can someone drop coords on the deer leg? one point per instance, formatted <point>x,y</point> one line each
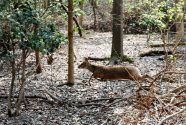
<point>147,76</point>
<point>145,79</point>
<point>90,79</point>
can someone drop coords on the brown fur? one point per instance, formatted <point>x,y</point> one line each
<point>114,73</point>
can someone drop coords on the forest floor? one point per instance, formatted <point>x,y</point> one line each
<point>111,103</point>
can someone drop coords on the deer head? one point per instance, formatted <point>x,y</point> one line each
<point>85,64</point>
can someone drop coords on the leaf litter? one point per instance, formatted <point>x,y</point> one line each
<point>111,102</point>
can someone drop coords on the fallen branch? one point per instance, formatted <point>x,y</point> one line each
<point>34,96</point>
<point>61,84</point>
<point>53,97</point>
<point>170,116</point>
<point>125,99</point>
<point>57,99</point>
<point>95,100</point>
<point>103,99</point>
<point>178,89</point>
<point>98,59</point>
<point>83,102</point>
<point>182,103</point>
<point>91,104</point>
<point>175,72</point>
<point>169,44</point>
<point>154,53</point>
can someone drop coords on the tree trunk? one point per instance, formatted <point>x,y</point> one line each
<point>38,65</point>
<point>21,93</point>
<point>179,23</point>
<point>94,11</point>
<point>81,17</point>
<point>70,46</point>
<point>45,4</point>
<point>48,3</point>
<point>184,23</point>
<point>117,40</point>
<point>74,18</point>
<point>12,61</point>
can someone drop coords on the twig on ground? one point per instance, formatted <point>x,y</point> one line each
<point>28,96</point>
<point>169,44</point>
<point>98,59</point>
<point>91,104</point>
<point>182,103</point>
<point>170,116</point>
<point>103,99</point>
<point>122,114</point>
<point>178,89</point>
<point>171,72</point>
<point>125,99</point>
<point>53,97</point>
<point>94,100</point>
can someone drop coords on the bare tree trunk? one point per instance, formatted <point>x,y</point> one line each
<point>94,6</point>
<point>117,40</point>
<point>70,46</point>
<point>95,20</point>
<point>48,3</point>
<point>12,61</point>
<point>74,18</point>
<point>45,4</point>
<point>184,23</point>
<point>81,17</point>
<point>38,64</point>
<point>21,93</point>
<point>179,23</point>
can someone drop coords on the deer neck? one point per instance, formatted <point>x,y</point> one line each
<point>92,68</point>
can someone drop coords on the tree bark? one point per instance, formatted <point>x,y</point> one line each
<point>179,22</point>
<point>48,3</point>
<point>38,64</point>
<point>21,93</point>
<point>117,40</point>
<point>94,6</point>
<point>12,61</point>
<point>38,69</point>
<point>45,4</point>
<point>81,17</point>
<point>74,18</point>
<point>70,46</point>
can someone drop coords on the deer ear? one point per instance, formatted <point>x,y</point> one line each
<point>86,59</point>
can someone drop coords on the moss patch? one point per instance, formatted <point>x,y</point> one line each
<point>127,59</point>
<point>154,53</point>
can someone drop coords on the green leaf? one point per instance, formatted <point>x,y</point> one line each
<point>75,29</point>
<point>66,41</point>
<point>44,51</point>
